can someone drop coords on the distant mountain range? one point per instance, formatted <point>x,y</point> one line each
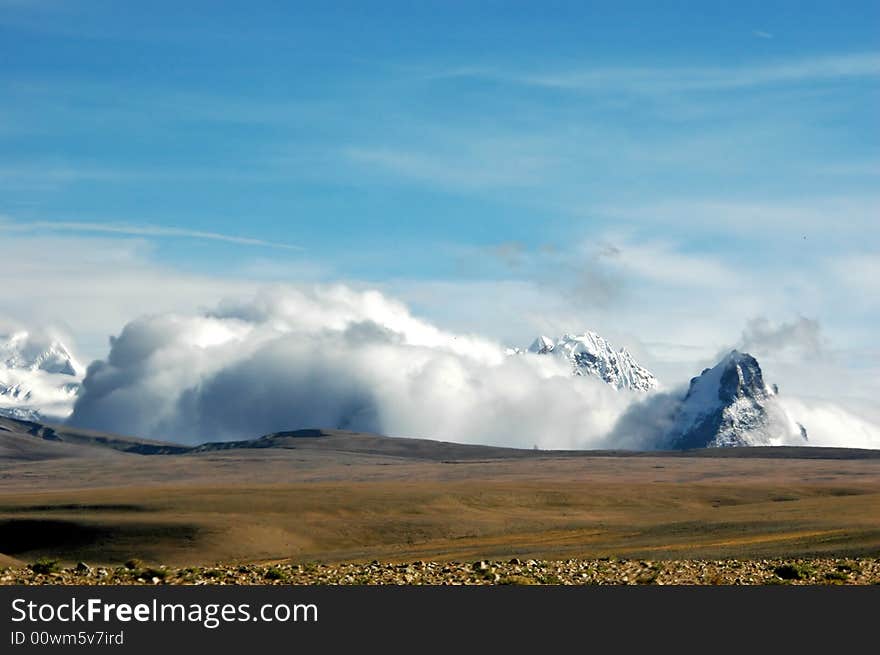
<point>726,405</point>
<point>31,441</point>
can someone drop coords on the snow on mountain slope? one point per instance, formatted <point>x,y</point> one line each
<point>589,354</point>
<point>730,405</point>
<point>727,405</point>
<point>39,377</point>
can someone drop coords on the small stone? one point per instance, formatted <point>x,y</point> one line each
<point>82,567</point>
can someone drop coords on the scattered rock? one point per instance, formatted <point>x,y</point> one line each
<point>578,572</point>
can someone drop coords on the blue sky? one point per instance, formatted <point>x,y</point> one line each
<point>662,172</point>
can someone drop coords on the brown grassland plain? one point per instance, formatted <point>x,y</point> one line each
<point>338,497</point>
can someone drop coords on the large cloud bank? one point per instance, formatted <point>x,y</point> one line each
<point>335,357</point>
<point>647,422</point>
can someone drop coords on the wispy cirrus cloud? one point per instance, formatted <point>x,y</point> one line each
<point>858,271</point>
<point>125,229</point>
<point>493,164</point>
<point>683,79</point>
<point>822,217</point>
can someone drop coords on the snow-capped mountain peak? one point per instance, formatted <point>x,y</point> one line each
<point>731,405</point>
<point>542,345</point>
<point>21,350</point>
<point>591,354</point>
<point>39,377</point>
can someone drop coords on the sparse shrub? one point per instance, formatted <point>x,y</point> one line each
<point>488,574</point>
<point>836,576</point>
<point>517,580</point>
<point>133,564</point>
<point>151,573</point>
<point>849,566</point>
<point>647,578</point>
<point>187,575</point>
<point>212,573</point>
<point>274,574</point>
<point>793,572</point>
<point>44,566</point>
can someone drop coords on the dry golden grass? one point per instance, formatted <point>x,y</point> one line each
<point>268,506</point>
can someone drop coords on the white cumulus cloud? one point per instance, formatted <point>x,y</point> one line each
<point>331,356</point>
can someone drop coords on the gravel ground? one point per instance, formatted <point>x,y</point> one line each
<point>569,572</point>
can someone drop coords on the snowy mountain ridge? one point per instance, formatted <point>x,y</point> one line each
<point>731,405</point>
<point>726,405</point>
<point>589,354</point>
<point>39,377</point>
